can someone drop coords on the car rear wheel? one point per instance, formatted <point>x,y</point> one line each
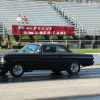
<point>17,69</point>
<point>73,69</point>
<point>3,71</point>
<point>56,71</point>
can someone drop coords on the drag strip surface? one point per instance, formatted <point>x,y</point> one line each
<point>44,85</point>
<point>86,72</point>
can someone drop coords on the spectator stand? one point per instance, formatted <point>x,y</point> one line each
<point>43,14</point>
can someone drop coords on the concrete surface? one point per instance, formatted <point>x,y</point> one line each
<point>51,89</point>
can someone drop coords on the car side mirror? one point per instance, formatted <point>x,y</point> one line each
<point>38,51</point>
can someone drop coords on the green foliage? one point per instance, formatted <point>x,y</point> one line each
<point>42,37</point>
<point>39,37</point>
<point>54,37</point>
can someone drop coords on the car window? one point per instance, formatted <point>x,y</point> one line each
<point>49,49</point>
<point>30,48</point>
<point>61,49</point>
<point>25,48</point>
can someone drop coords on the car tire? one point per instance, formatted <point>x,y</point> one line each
<point>56,71</point>
<point>3,71</point>
<point>73,69</point>
<point>17,69</point>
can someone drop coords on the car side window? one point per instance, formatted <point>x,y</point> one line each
<point>61,49</point>
<point>49,49</point>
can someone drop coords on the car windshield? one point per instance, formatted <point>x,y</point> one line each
<point>29,48</point>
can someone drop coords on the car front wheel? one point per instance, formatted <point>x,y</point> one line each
<point>17,69</point>
<point>73,69</point>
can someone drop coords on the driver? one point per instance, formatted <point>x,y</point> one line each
<point>44,49</point>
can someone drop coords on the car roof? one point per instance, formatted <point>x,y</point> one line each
<point>46,43</point>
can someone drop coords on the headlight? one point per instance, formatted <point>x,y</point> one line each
<point>2,60</point>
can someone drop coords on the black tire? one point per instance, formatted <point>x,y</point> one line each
<point>56,71</point>
<point>73,69</point>
<point>17,69</point>
<point>3,71</point>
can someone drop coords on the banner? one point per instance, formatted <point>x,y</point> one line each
<point>42,30</point>
<point>58,30</point>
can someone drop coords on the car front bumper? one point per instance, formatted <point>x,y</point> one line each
<point>3,65</point>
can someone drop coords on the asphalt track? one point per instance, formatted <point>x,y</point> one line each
<point>44,85</point>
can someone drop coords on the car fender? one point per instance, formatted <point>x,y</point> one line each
<point>20,62</point>
<point>74,62</point>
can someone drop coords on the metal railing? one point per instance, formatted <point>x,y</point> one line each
<point>84,30</point>
<point>57,0</point>
<point>3,28</point>
<point>65,13</point>
<point>76,44</point>
<point>94,32</point>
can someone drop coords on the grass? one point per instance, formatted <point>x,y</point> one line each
<point>16,44</point>
<point>86,50</point>
<point>9,49</point>
<point>73,50</point>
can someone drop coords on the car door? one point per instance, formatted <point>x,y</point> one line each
<point>62,57</point>
<point>28,55</point>
<point>47,58</point>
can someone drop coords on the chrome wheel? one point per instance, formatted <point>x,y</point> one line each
<point>73,69</point>
<point>17,69</point>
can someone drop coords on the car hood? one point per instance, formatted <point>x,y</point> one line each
<point>3,53</point>
<point>7,51</point>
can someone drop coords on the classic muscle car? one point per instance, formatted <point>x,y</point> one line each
<point>43,56</point>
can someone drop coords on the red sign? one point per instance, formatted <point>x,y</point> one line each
<point>42,30</point>
<point>58,30</point>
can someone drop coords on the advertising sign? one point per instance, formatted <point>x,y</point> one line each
<point>42,30</point>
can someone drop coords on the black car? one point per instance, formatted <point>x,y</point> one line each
<point>43,56</point>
